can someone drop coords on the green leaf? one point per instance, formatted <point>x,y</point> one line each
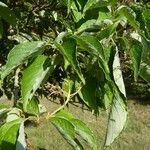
<point>145,72</point>
<point>33,106</point>
<point>118,113</point>
<point>66,129</point>
<point>135,55</point>
<point>7,14</point>
<point>92,43</point>
<point>88,93</point>
<point>117,118</point>
<point>108,31</point>
<point>117,73</point>
<point>129,14</point>
<point>80,128</point>
<point>146,14</point>
<point>9,134</point>
<point>19,54</point>
<point>93,46</point>
<point>68,49</point>
<point>89,25</point>
<point>33,77</point>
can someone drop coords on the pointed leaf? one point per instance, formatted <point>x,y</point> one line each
<point>33,77</point>
<point>117,119</point>
<point>9,134</point>
<point>118,113</point>
<point>68,49</point>
<point>80,128</point>
<point>19,54</point>
<point>66,129</point>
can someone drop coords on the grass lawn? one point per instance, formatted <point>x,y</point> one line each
<point>136,135</point>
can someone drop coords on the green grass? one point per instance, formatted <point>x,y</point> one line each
<point>136,135</point>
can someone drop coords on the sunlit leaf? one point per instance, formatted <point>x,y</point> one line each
<point>80,128</point>
<point>33,77</point>
<point>9,134</point>
<point>19,54</point>
<point>67,130</point>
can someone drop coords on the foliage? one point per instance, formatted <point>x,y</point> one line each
<point>75,44</point>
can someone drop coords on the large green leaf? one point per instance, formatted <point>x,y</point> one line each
<point>7,14</point>
<point>68,49</point>
<point>33,77</point>
<point>118,113</point>
<point>19,54</point>
<point>67,130</point>
<point>9,134</point>
<point>117,118</point>
<point>80,128</point>
<point>146,14</point>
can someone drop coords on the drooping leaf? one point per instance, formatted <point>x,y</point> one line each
<point>19,54</point>
<point>118,113</point>
<point>80,128</point>
<point>117,118</point>
<point>33,77</point>
<point>68,49</point>
<point>7,14</point>
<point>21,141</point>
<point>117,73</point>
<point>9,134</point>
<point>67,130</point>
